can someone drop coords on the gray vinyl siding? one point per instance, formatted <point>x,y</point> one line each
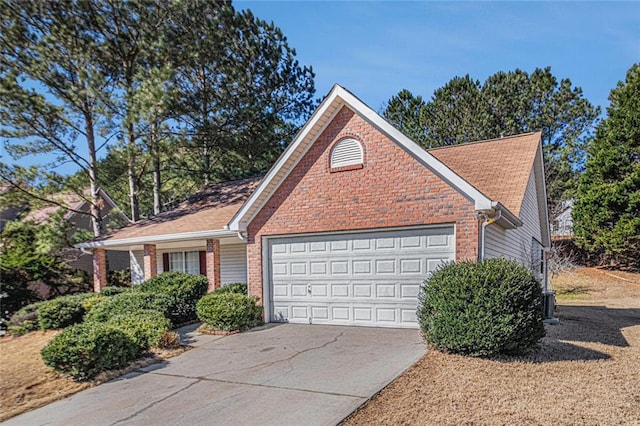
<point>516,243</point>
<point>116,260</point>
<point>233,263</point>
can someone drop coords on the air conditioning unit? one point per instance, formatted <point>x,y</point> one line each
<point>548,304</point>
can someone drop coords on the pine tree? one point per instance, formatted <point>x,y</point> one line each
<point>606,212</point>
<point>51,92</point>
<point>507,103</point>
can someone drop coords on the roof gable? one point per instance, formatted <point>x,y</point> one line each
<point>330,106</point>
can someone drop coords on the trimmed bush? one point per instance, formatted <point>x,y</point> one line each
<point>184,289</point>
<point>25,320</point>
<point>62,311</point>
<point>112,291</point>
<point>84,350</point>
<point>145,328</point>
<point>482,308</point>
<point>229,311</point>
<point>240,288</point>
<point>132,302</point>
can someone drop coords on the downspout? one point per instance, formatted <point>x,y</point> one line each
<point>484,218</point>
<point>242,237</point>
<point>486,221</point>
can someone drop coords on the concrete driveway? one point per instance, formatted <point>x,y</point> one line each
<point>282,374</point>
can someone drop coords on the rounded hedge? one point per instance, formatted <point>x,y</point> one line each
<point>184,289</point>
<point>145,328</point>
<point>482,308</point>
<point>130,303</point>
<point>84,350</point>
<point>112,290</point>
<point>240,288</point>
<point>229,311</point>
<point>62,311</point>
<point>25,320</point>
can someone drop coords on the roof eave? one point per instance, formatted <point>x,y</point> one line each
<point>507,220</point>
<point>185,236</point>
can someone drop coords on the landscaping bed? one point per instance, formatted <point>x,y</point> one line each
<point>27,383</point>
<point>586,371</point>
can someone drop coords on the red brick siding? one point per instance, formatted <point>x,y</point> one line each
<point>213,264</point>
<point>393,189</point>
<point>99,269</point>
<point>150,261</point>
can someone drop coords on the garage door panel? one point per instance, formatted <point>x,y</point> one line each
<point>360,279</point>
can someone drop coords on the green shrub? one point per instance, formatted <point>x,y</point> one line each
<point>62,311</point>
<point>240,288</point>
<point>84,350</point>
<point>120,278</point>
<point>129,303</point>
<point>482,308</point>
<point>145,328</point>
<point>25,320</point>
<point>91,302</point>
<point>229,311</point>
<point>184,289</point>
<point>112,291</point>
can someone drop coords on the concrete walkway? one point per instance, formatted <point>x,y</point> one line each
<point>282,374</point>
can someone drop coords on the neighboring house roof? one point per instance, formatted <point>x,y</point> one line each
<point>330,106</point>
<point>206,212</point>
<point>499,168</point>
<point>73,202</point>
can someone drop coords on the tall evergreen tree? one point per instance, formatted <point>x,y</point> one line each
<point>606,212</point>
<point>51,91</point>
<point>243,94</point>
<point>507,103</point>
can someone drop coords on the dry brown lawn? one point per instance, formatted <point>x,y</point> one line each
<point>586,372</point>
<point>27,383</point>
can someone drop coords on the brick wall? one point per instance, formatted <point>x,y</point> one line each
<point>213,264</point>
<point>99,269</point>
<point>150,261</point>
<point>392,189</point>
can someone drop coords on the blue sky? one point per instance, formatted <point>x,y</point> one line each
<point>375,49</point>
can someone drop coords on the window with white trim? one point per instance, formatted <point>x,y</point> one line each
<point>347,152</point>
<point>185,261</point>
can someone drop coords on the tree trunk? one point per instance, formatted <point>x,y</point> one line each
<point>96,217</point>
<point>206,164</point>
<point>133,180</point>
<point>157,182</point>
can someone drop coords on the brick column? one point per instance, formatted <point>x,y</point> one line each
<point>99,269</point>
<point>213,264</point>
<point>150,261</point>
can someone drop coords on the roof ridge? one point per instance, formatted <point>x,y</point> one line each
<point>519,135</point>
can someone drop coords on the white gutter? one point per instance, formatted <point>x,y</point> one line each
<point>506,214</point>
<point>158,238</point>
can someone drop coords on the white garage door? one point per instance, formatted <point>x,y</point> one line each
<point>369,279</point>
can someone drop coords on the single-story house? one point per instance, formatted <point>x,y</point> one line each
<point>351,219</point>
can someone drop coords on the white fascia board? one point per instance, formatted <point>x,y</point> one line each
<point>157,238</point>
<point>243,216</point>
<point>339,95</point>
